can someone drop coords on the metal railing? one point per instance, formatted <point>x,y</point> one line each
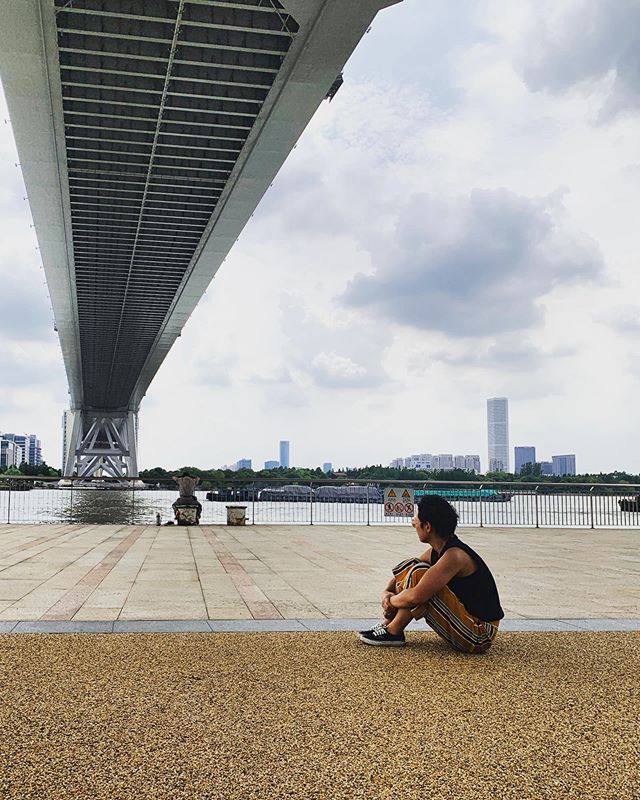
<point>276,502</point>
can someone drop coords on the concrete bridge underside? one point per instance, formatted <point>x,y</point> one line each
<point>148,131</point>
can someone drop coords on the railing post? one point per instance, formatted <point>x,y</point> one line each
<point>253,504</point>
<point>368,504</point>
<point>311,501</point>
<point>591,505</point>
<point>9,502</point>
<point>537,512</point>
<point>71,505</point>
<point>481,507</point>
<point>133,503</point>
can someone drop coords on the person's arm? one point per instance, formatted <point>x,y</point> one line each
<point>390,588</point>
<point>431,582</point>
<point>388,592</point>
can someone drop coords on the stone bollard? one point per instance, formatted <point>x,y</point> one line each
<point>236,515</point>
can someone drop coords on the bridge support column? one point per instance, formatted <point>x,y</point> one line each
<point>103,443</point>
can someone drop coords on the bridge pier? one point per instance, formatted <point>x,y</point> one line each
<point>103,443</point>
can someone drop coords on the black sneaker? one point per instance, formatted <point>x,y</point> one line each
<point>380,637</point>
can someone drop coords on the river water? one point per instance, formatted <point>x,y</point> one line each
<point>125,507</point>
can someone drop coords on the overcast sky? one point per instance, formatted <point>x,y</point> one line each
<point>459,223</point>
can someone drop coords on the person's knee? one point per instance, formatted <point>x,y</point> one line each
<point>415,574</point>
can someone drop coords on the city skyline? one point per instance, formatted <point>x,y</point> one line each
<point>448,258</point>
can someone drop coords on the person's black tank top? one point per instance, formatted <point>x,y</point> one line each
<point>478,593</point>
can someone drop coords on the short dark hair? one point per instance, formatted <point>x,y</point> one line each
<point>440,513</point>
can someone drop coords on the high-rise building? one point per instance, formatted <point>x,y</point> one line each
<point>498,433</point>
<point>284,453</point>
<point>419,461</point>
<point>34,451</point>
<point>271,464</point>
<point>30,446</point>
<point>445,461</point>
<point>20,451</point>
<point>564,465</point>
<point>522,456</point>
<point>546,467</point>
<point>11,454</point>
<point>327,467</point>
<point>242,463</point>
<point>472,463</point>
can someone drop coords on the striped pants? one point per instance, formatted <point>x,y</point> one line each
<point>445,613</point>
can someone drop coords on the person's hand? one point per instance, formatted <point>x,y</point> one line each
<point>387,609</point>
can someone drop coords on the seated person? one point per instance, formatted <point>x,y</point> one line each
<point>449,585</point>
<point>187,508</point>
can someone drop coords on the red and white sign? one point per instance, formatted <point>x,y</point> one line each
<point>398,502</point>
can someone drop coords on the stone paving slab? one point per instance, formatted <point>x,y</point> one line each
<point>118,573</point>
<point>296,626</point>
<point>7,627</point>
<point>256,625</point>
<point>603,624</point>
<point>161,626</point>
<point>64,626</point>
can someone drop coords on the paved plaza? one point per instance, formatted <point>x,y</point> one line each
<point>293,577</point>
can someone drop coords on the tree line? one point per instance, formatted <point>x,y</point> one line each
<point>530,474</point>
<point>380,473</point>
<point>42,470</point>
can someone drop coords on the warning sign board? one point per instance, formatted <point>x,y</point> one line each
<point>399,502</point>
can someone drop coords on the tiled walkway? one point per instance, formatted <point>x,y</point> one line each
<point>301,574</point>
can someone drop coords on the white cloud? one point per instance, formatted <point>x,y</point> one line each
<point>589,45</point>
<point>474,265</point>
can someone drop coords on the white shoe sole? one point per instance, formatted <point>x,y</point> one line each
<point>373,643</point>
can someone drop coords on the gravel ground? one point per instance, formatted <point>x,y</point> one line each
<point>318,715</point>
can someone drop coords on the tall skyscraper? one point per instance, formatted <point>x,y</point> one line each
<point>523,455</point>
<point>284,454</point>
<point>34,450</point>
<point>564,465</point>
<point>498,433</point>
<point>271,464</point>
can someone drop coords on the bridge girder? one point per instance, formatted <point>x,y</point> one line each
<point>147,135</point>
